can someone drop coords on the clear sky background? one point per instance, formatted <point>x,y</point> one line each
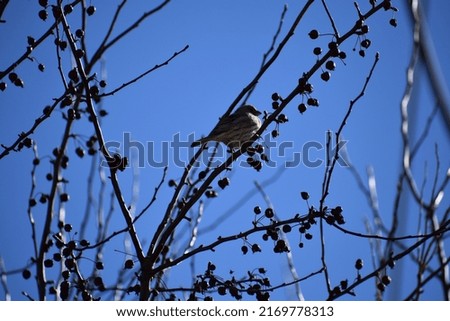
<point>227,40</point>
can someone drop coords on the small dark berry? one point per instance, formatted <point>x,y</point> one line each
<point>224,182</point>
<point>41,67</point>
<point>71,245</point>
<point>99,266</point>
<point>386,280</point>
<point>67,101</point>
<point>90,10</point>
<point>393,22</point>
<point>222,290</point>
<point>313,102</point>
<point>102,83</point>
<point>202,175</point>
<point>19,82</point>
<point>26,274</point>
<point>282,118</point>
<point>275,105</point>
<point>287,228</point>
<point>309,88</point>
<point>275,96</point>
<point>257,210</point>
<point>69,263</point>
<point>43,199</point>
<point>244,249</point>
<point>65,274</point>
<point>259,148</point>
<point>302,108</point>
<point>68,8</point>
<point>257,165</point>
<point>56,12</point>
<point>98,281</point>
<point>256,248</point>
<point>73,75</point>
<point>332,45</point>
<point>30,41</point>
<point>67,227</point>
<point>129,264</point>
<point>391,263</point>
<point>211,266</point>
<point>359,264</point>
<point>365,43</point>
<point>304,195</point>
<point>275,133</point>
<point>317,51</point>
<point>80,152</point>
<point>313,34</point>
<point>211,194</point>
<point>325,76</point>
<point>32,202</point>
<point>79,33</point>
<point>43,14</point>
<point>330,65</point>
<point>28,142</point>
<point>48,263</point>
<point>13,76</point>
<point>330,219</point>
<point>94,90</point>
<point>79,53</point>
<point>3,86</point>
<point>269,212</point>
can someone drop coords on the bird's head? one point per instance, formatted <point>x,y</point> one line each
<point>248,109</point>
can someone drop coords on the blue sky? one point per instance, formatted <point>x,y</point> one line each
<point>226,42</point>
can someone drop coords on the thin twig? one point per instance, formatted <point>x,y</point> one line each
<point>36,44</point>
<point>289,257</point>
<point>165,63</point>
<point>234,209</point>
<point>108,44</point>
<point>153,199</point>
<point>4,280</point>
<point>442,229</point>
<point>271,48</point>
<point>38,121</point>
<point>329,169</point>
<point>382,267</point>
<point>101,141</point>
<point>330,17</point>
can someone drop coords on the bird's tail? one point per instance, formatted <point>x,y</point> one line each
<point>199,142</point>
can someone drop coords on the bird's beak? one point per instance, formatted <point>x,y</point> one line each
<point>257,113</point>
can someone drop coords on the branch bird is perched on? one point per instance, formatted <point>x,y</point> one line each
<point>236,129</point>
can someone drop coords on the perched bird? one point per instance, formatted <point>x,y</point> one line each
<point>236,129</point>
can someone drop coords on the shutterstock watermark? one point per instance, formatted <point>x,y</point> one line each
<point>178,152</point>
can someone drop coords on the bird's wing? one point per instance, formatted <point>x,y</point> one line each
<point>223,125</point>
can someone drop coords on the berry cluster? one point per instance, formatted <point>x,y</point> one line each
<point>254,284</point>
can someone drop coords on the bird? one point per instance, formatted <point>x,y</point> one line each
<point>234,130</point>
